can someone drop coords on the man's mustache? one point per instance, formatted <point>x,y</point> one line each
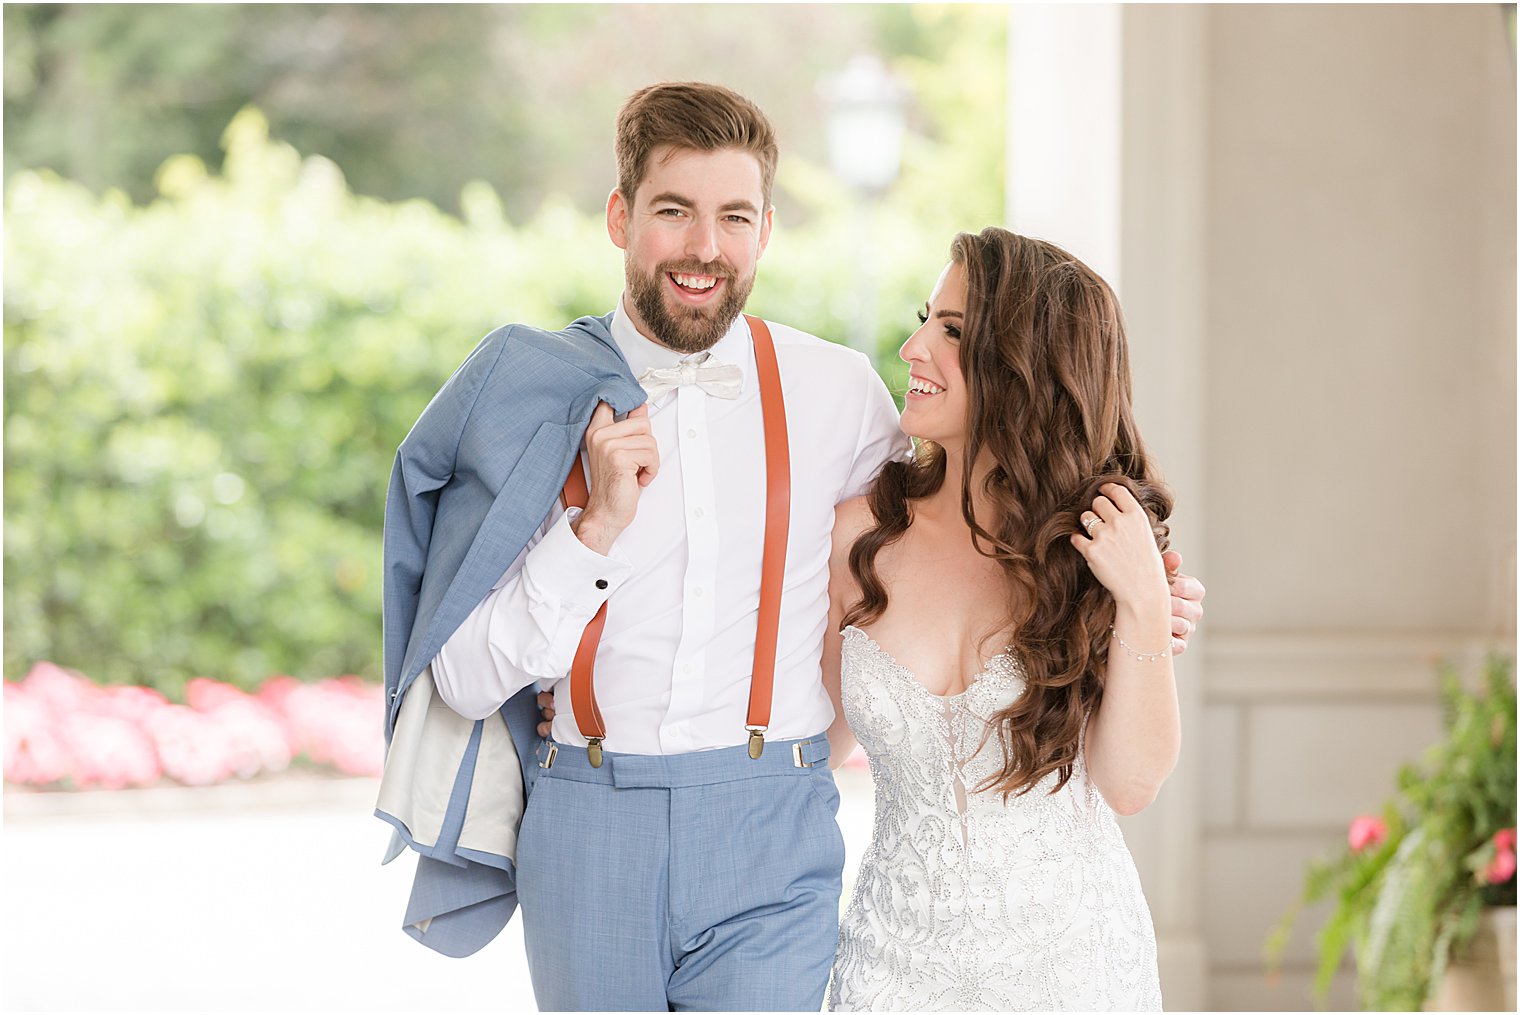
<point>718,269</point>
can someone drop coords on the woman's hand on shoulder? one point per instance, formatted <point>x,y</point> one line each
<point>1117,542</point>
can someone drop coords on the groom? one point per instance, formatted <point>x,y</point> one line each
<point>674,852</point>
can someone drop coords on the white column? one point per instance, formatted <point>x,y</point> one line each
<point>1064,131</point>
<point>1164,298</point>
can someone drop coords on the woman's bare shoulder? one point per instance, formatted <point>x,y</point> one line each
<point>851,518</point>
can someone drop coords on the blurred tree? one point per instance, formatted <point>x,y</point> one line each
<point>208,370</point>
<point>104,93</point>
<point>412,100</point>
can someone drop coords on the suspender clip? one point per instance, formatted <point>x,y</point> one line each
<point>594,751</point>
<point>756,740</point>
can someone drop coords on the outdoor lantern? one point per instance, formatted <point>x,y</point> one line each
<point>864,104</point>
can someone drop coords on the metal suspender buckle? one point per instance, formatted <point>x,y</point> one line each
<point>756,740</point>
<point>594,751</point>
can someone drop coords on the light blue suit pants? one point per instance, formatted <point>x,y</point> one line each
<point>692,882</point>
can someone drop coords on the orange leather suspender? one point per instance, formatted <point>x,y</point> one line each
<point>778,513</point>
<point>582,697</point>
<point>778,500</point>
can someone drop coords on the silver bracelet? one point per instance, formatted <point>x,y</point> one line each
<point>1143,657</point>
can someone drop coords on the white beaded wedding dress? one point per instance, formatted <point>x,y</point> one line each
<point>964,902</point>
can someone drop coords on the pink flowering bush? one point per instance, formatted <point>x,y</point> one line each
<point>334,722</point>
<point>63,731</point>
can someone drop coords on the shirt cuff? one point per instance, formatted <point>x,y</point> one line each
<point>564,570</point>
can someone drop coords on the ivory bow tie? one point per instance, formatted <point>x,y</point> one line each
<point>718,380</point>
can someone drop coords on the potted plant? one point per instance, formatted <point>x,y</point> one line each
<point>1413,886</point>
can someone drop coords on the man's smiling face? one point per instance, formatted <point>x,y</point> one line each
<point>691,239</point>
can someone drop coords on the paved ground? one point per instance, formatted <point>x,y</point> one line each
<point>263,897</point>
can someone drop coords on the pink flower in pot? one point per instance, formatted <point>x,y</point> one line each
<point>1366,830</point>
<point>1501,868</point>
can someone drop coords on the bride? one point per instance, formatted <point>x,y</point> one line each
<point>1000,646</point>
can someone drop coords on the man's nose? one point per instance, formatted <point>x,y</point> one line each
<point>702,241</point>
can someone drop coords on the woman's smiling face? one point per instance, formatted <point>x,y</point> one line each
<point>936,404</point>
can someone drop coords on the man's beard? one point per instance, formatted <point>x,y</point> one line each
<point>687,329</point>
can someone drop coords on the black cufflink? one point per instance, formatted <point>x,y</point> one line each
<point>601,583</point>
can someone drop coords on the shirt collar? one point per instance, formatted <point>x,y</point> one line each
<point>733,348</point>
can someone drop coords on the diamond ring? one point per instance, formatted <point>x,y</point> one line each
<point>1089,523</point>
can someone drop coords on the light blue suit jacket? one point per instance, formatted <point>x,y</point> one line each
<point>472,482</point>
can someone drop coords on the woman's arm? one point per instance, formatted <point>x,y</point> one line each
<point>841,739</point>
<point>1134,736</point>
<point>850,519</point>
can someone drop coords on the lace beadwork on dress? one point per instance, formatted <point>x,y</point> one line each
<point>965,902</point>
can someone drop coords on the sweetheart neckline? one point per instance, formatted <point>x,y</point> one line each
<point>976,678</point>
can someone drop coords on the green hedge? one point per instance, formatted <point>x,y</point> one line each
<point>203,395</point>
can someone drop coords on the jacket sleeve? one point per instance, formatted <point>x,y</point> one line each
<point>424,465</point>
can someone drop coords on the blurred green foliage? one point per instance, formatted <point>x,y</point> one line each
<point>203,397</point>
<point>1410,903</point>
<point>204,391</point>
<point>415,100</point>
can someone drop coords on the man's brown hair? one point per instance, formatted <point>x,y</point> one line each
<point>693,115</point>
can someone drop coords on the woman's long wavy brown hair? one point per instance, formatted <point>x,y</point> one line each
<point>1046,364</point>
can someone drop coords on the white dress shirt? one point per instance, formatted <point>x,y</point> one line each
<point>683,580</point>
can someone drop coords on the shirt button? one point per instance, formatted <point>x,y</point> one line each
<point>697,592</point>
<point>698,512</point>
<point>691,432</point>
<point>601,583</point>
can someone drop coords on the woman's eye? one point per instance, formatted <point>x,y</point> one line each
<point>923,318</point>
<point>953,332</point>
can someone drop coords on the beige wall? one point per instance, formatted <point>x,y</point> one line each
<point>1317,261</point>
<point>1360,237</point>
<point>1360,427</point>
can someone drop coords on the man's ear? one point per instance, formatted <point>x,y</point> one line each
<point>766,221</point>
<point>617,219</point>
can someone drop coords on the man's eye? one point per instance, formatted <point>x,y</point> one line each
<point>671,212</point>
